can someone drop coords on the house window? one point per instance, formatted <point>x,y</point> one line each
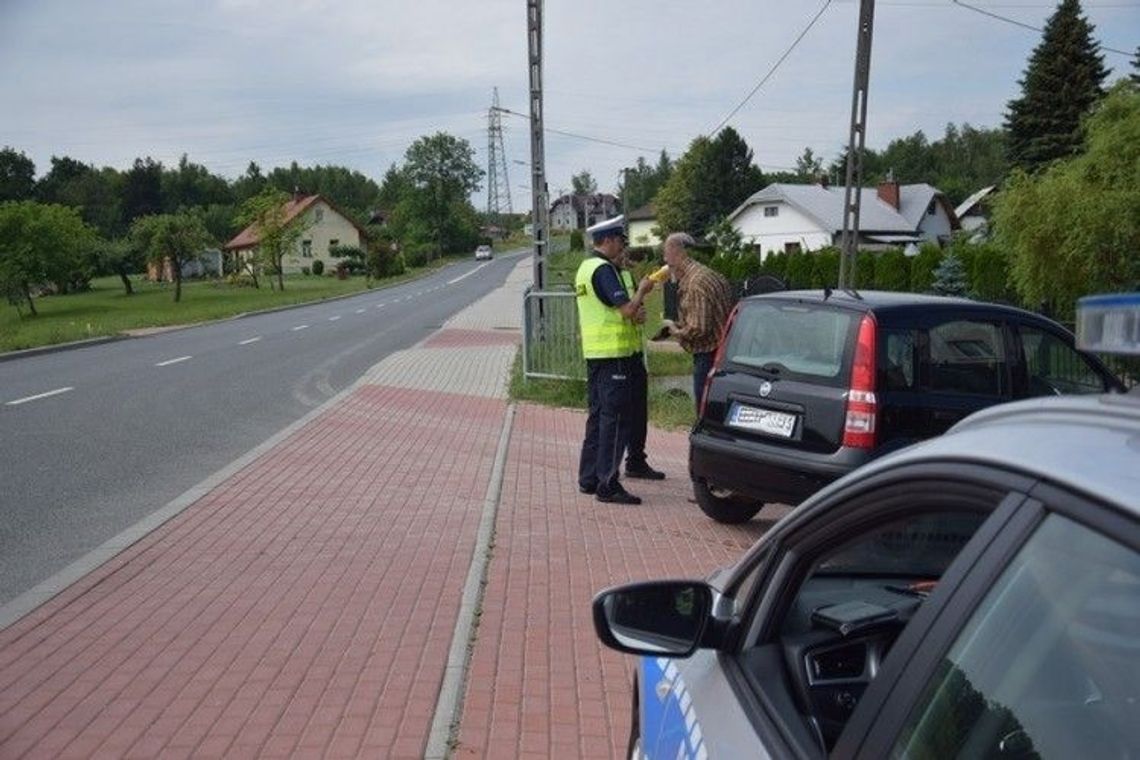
<point>318,214</point>
<point>332,246</point>
<point>791,248</point>
<point>931,210</point>
<point>771,211</point>
<point>306,249</point>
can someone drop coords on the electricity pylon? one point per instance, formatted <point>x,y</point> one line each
<point>498,185</point>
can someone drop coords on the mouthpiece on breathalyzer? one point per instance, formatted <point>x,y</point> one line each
<point>660,275</point>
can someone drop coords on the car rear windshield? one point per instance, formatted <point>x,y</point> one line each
<point>792,339</point>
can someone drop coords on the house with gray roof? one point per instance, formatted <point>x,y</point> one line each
<point>809,217</point>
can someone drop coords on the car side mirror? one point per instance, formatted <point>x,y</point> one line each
<point>656,618</point>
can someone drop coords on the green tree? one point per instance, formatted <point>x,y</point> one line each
<point>1075,228</point>
<point>174,239</point>
<point>892,270</point>
<point>708,182</point>
<point>1063,80</point>
<point>1135,75</point>
<point>950,277</point>
<point>584,183</point>
<point>191,185</point>
<point>808,166</point>
<point>442,172</point>
<point>276,233</point>
<point>17,176</point>
<point>640,182</point>
<point>922,267</point>
<point>142,189</point>
<point>249,184</point>
<point>39,243</point>
<point>120,258</point>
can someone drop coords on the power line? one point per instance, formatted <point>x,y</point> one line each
<point>772,70</point>
<point>1023,25</point>
<point>582,137</point>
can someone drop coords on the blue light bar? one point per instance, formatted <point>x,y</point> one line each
<point>1109,324</point>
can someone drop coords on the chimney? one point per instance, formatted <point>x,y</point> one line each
<point>889,190</point>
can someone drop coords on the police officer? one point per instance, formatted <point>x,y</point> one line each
<point>608,316</point>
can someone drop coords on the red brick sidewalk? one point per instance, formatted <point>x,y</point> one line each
<point>305,606</point>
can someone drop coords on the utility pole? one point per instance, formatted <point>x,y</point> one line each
<point>857,138</point>
<point>498,185</point>
<point>540,208</point>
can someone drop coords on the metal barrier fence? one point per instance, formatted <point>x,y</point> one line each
<point>552,347</point>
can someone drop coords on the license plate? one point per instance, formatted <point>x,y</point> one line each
<point>766,421</point>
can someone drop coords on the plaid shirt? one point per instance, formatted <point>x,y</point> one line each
<point>706,299</point>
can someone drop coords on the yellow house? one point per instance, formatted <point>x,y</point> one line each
<point>326,227</point>
<point>641,223</point>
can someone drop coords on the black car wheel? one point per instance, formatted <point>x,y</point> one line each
<point>723,505</point>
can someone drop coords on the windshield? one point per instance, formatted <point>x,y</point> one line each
<point>792,339</point>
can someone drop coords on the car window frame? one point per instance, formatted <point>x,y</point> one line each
<point>803,540</point>
<point>881,724</point>
<point>1021,368</point>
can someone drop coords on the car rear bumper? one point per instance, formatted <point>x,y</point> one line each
<point>767,473</point>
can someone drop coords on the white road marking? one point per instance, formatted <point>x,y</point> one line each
<point>300,327</point>
<point>333,319</point>
<point>379,306</point>
<point>360,311</point>
<point>168,362</point>
<point>247,341</point>
<point>38,396</point>
<point>460,277</point>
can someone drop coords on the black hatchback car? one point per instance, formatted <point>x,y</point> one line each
<point>808,385</point>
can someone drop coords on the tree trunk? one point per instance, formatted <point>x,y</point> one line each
<point>281,274</point>
<point>31,304</point>
<point>126,282</point>
<point>177,281</point>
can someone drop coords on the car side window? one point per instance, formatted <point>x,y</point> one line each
<point>898,360</point>
<point>1054,367</point>
<point>967,356</point>
<point>1047,664</point>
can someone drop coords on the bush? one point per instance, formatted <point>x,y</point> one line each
<point>825,268</point>
<point>775,264</point>
<point>576,241</point>
<point>305,271</point>
<point>799,270</point>
<point>922,268</point>
<point>864,270</point>
<point>892,270</point>
<point>318,267</point>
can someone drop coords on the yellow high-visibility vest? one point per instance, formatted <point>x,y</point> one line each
<point>606,334</point>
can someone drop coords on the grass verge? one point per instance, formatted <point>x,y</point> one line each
<point>106,309</point>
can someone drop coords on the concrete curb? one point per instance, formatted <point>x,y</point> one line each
<point>449,705</point>
<point>24,353</point>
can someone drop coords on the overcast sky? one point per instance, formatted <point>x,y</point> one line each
<point>355,82</point>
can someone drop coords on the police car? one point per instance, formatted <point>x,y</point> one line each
<point>975,595</point>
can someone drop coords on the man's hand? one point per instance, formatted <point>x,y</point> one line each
<point>669,326</point>
<point>645,286</point>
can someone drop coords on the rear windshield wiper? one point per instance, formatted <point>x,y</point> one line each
<point>771,368</point>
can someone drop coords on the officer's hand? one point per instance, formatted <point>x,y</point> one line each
<point>639,317</point>
<point>645,285</point>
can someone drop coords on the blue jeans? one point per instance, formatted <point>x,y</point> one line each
<point>702,363</point>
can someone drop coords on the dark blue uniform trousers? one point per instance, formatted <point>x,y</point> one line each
<point>608,388</point>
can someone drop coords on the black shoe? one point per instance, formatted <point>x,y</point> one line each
<point>587,489</point>
<point>620,496</point>
<point>643,472</point>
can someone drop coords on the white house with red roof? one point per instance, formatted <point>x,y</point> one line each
<point>326,227</point>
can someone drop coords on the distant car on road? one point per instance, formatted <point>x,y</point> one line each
<point>483,253</point>
<point>809,385</point>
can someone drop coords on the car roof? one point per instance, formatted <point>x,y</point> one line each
<point>1089,444</point>
<point>885,301</point>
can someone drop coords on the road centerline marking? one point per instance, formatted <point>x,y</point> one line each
<point>300,327</point>
<point>333,319</point>
<point>38,396</point>
<point>247,341</point>
<point>168,362</point>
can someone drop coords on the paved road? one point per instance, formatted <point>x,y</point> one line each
<point>94,439</point>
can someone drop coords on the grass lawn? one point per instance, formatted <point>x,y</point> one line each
<point>107,310</point>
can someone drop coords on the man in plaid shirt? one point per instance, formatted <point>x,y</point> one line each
<point>705,301</point>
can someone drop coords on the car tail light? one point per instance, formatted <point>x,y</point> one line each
<point>718,359</point>
<point>862,406</point>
